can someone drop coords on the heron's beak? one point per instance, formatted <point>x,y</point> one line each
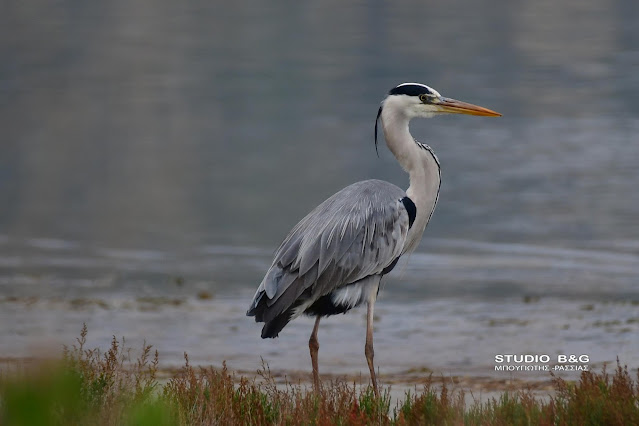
<point>453,106</point>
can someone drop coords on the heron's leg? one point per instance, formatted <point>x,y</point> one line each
<point>313,345</point>
<point>368,348</point>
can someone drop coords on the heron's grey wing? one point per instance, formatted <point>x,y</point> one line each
<point>356,233</point>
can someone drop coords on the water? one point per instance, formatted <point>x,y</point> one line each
<point>154,155</point>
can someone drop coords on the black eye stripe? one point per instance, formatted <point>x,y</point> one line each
<point>411,90</point>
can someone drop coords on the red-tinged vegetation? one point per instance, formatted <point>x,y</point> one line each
<point>91,387</point>
<point>598,398</point>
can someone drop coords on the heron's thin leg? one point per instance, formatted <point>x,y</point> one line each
<point>313,345</point>
<point>368,348</point>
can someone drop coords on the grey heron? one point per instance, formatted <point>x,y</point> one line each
<point>334,258</point>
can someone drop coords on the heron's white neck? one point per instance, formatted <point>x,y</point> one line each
<point>421,164</point>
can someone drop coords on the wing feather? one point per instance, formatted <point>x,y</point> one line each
<point>356,233</point>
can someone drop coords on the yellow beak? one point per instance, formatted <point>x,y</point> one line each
<point>453,106</point>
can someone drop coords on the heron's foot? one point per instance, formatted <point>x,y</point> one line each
<point>316,383</point>
<point>316,380</point>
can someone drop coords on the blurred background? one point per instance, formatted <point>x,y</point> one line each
<point>154,154</point>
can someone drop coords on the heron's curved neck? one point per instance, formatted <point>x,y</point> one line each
<point>418,160</point>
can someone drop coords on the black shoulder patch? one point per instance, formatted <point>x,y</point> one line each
<point>411,209</point>
<point>410,90</point>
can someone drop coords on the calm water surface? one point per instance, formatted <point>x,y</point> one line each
<point>153,156</point>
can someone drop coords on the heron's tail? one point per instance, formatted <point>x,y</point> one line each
<point>272,328</point>
<point>274,323</point>
<point>280,313</point>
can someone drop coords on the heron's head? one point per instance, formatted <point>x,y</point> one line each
<point>418,100</point>
<point>412,100</point>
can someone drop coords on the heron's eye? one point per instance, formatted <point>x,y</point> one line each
<point>424,98</point>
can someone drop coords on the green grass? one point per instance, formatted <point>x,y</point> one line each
<point>90,387</point>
